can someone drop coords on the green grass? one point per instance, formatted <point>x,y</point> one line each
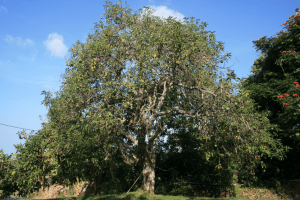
<point>139,195</point>
<point>241,193</point>
<point>135,196</point>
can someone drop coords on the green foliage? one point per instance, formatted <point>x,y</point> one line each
<point>30,165</point>
<point>274,72</point>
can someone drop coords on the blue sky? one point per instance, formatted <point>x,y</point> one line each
<point>35,37</point>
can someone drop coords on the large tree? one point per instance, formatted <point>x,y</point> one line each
<point>174,74</point>
<point>273,75</point>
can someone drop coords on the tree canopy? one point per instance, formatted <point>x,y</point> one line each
<point>273,75</point>
<point>101,107</point>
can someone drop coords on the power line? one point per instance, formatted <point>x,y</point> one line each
<point>16,127</point>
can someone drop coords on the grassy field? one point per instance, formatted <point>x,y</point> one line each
<point>140,195</point>
<point>241,193</point>
<point>135,196</point>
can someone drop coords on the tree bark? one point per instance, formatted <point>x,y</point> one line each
<point>149,174</point>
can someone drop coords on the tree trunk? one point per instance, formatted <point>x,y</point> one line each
<point>149,175</point>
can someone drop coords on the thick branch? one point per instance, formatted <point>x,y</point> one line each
<point>127,159</point>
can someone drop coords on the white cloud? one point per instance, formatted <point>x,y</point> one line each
<point>163,12</point>
<point>9,39</point>
<point>34,54</point>
<point>2,9</point>
<point>55,44</point>
<point>18,41</point>
<point>29,42</point>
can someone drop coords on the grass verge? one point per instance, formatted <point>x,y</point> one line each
<point>241,193</point>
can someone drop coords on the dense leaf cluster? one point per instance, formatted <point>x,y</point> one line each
<point>273,75</point>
